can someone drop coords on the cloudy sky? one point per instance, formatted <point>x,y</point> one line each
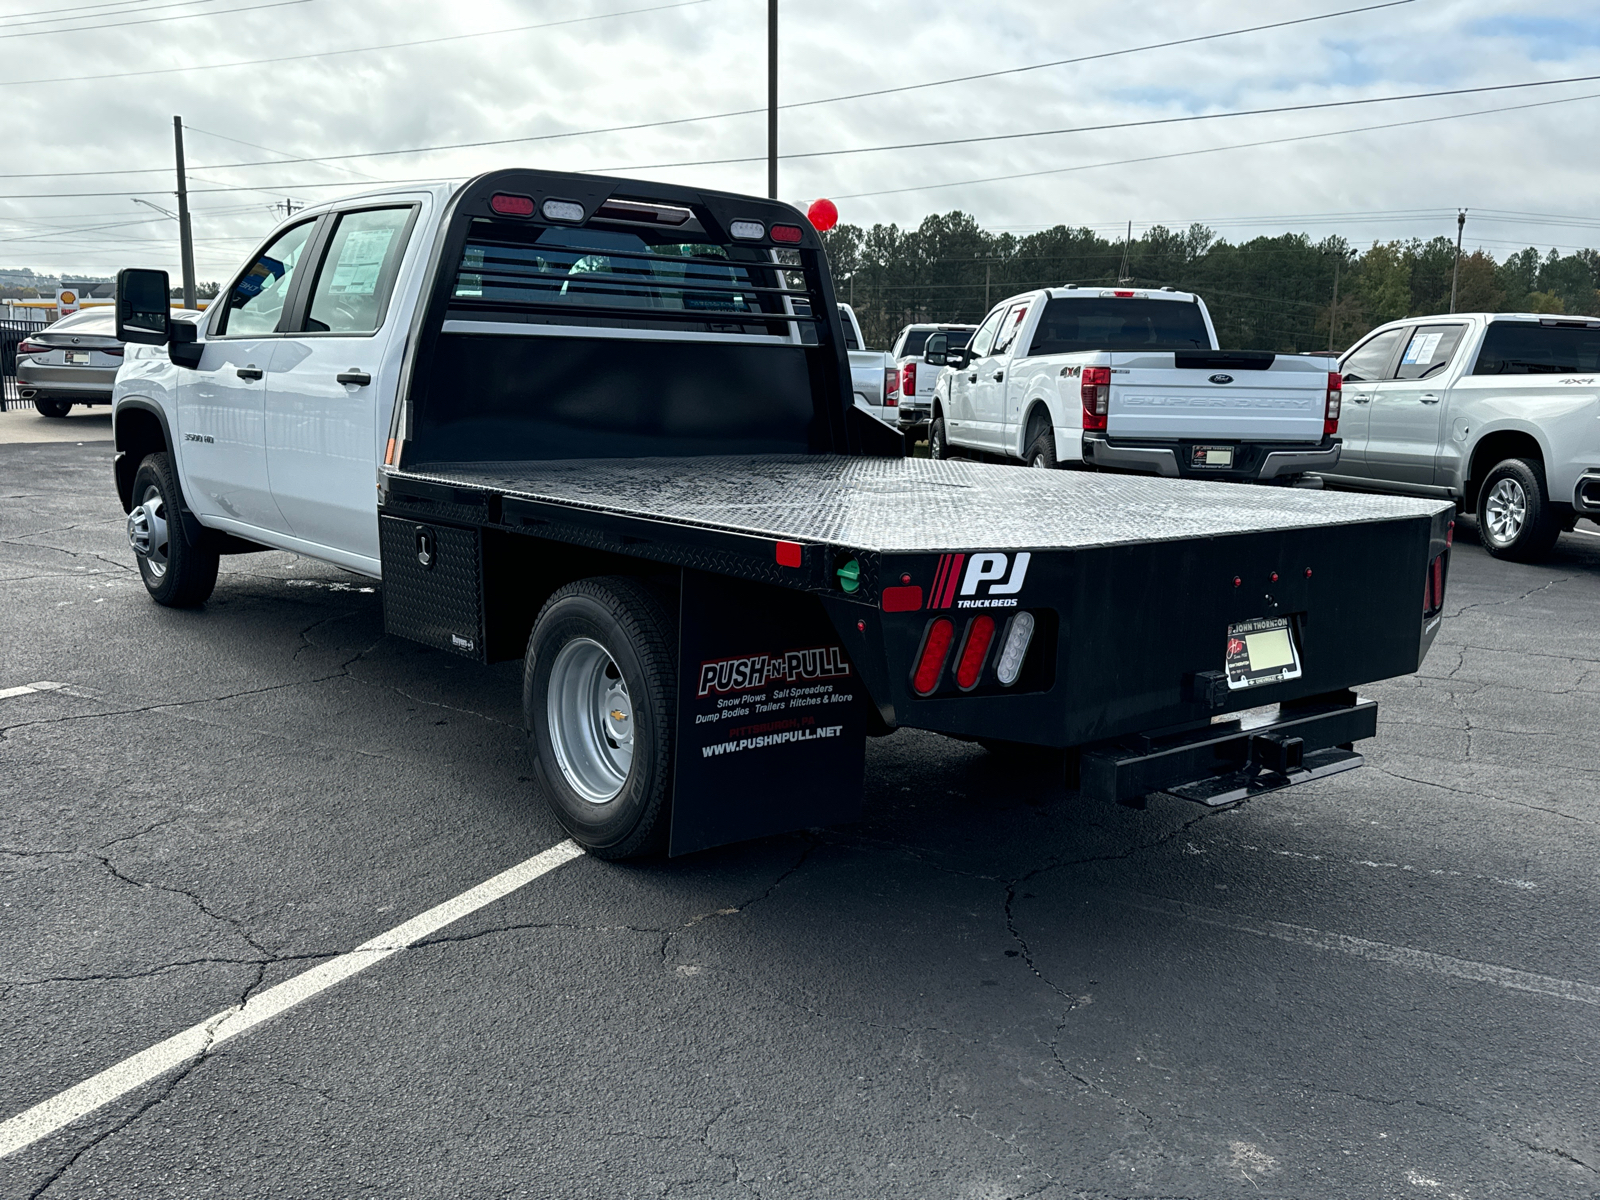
<point>89,101</point>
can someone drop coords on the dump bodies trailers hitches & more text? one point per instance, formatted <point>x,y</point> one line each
<point>612,433</point>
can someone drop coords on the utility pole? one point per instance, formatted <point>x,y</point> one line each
<point>1122,272</point>
<point>1333,313</point>
<point>185,236</point>
<point>1455,275</point>
<point>289,207</point>
<point>986,267</point>
<point>772,99</point>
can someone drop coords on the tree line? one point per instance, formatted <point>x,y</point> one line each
<point>1285,293</point>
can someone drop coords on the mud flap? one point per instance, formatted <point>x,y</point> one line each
<point>772,716</point>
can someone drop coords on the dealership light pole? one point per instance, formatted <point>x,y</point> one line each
<point>772,99</point>
<point>1455,275</point>
<point>185,237</point>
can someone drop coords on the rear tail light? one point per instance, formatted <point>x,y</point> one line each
<point>508,205</point>
<point>974,652</point>
<point>1019,632</point>
<point>1330,410</point>
<point>33,348</point>
<point>891,387</point>
<point>1433,585</point>
<point>786,233</point>
<point>936,639</point>
<point>113,351</point>
<point>908,379</point>
<point>1096,396</point>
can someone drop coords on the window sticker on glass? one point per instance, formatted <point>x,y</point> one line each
<point>360,261</point>
<point>1261,651</point>
<point>1420,351</point>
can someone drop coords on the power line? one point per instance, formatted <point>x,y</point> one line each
<point>62,15</point>
<point>286,58</point>
<point>153,20</point>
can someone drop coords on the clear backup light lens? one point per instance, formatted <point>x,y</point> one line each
<point>562,210</point>
<point>1019,632</point>
<point>749,231</point>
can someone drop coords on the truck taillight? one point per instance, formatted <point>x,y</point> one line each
<point>891,387</point>
<point>1433,584</point>
<point>908,379</point>
<point>1330,410</point>
<point>974,652</point>
<point>936,641</point>
<point>1096,396</point>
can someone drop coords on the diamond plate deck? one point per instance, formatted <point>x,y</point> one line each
<point>916,505</point>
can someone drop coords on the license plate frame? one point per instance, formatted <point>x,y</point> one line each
<point>1260,651</point>
<point>77,358</point>
<point>1211,458</point>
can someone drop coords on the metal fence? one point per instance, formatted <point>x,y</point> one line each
<point>13,332</point>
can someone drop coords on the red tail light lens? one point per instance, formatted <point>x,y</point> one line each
<point>1096,396</point>
<point>891,387</point>
<point>33,348</point>
<point>908,379</point>
<point>1433,587</point>
<point>785,233</point>
<point>511,206</point>
<point>936,641</point>
<point>1330,410</point>
<point>974,652</point>
<point>113,351</point>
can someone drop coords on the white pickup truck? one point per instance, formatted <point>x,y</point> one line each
<point>916,378</point>
<point>1131,380</point>
<point>1498,411</point>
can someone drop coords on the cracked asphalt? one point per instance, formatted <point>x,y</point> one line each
<point>987,989</point>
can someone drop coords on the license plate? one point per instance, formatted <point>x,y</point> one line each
<point>1212,456</point>
<point>1261,651</point>
<point>77,358</point>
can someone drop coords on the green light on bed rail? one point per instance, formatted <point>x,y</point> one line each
<point>849,574</point>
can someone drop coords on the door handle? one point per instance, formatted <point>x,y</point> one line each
<point>249,372</point>
<point>1360,398</point>
<point>972,379</point>
<point>359,378</point>
<point>1429,398</point>
<point>999,376</point>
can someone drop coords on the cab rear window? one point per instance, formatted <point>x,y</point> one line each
<point>1523,348</point>
<point>1069,326</point>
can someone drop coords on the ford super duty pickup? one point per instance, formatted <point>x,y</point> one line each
<point>593,424</point>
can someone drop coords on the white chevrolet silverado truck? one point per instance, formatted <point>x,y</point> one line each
<point>1131,380</point>
<point>1497,411</point>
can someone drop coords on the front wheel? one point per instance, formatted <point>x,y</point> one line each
<point>175,573</point>
<point>52,408</point>
<point>938,443</point>
<point>1515,517</point>
<point>599,700</point>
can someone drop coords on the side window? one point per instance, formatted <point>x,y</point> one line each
<point>358,271</point>
<point>1523,348</point>
<point>1430,350</point>
<point>1368,361</point>
<point>985,335</point>
<point>255,301</point>
<point>1009,328</point>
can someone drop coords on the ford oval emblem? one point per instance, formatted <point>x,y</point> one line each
<point>1222,379</point>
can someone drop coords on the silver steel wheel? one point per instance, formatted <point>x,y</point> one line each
<point>147,531</point>
<point>1505,512</point>
<point>591,720</point>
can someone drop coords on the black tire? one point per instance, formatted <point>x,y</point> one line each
<point>1041,451</point>
<point>1516,521</point>
<point>629,623</point>
<point>938,443</point>
<point>52,408</point>
<point>175,573</point>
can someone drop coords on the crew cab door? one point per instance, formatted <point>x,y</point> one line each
<point>1363,369</point>
<point>323,396</point>
<point>1406,416</point>
<point>961,421</point>
<point>989,392</point>
<point>222,403</point>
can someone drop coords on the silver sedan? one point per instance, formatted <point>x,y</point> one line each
<point>74,361</point>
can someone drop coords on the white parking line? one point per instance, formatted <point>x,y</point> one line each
<point>50,1115</point>
<point>28,688</point>
<point>1402,956</point>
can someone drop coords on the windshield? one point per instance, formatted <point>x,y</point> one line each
<point>1094,323</point>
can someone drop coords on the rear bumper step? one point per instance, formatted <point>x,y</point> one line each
<point>1233,759</point>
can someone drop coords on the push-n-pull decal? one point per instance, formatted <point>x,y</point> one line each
<point>990,580</point>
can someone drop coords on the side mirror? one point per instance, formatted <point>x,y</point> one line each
<point>934,352</point>
<point>144,310</point>
<point>958,357</point>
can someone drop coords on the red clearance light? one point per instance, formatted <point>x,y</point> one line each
<point>508,205</point>
<point>785,233</point>
<point>936,641</point>
<point>1449,535</point>
<point>789,554</point>
<point>1330,411</point>
<point>823,215</point>
<point>902,599</point>
<point>974,652</point>
<point>1096,393</point>
<point>1122,295</point>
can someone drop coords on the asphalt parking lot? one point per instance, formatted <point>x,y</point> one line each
<point>1382,984</point>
